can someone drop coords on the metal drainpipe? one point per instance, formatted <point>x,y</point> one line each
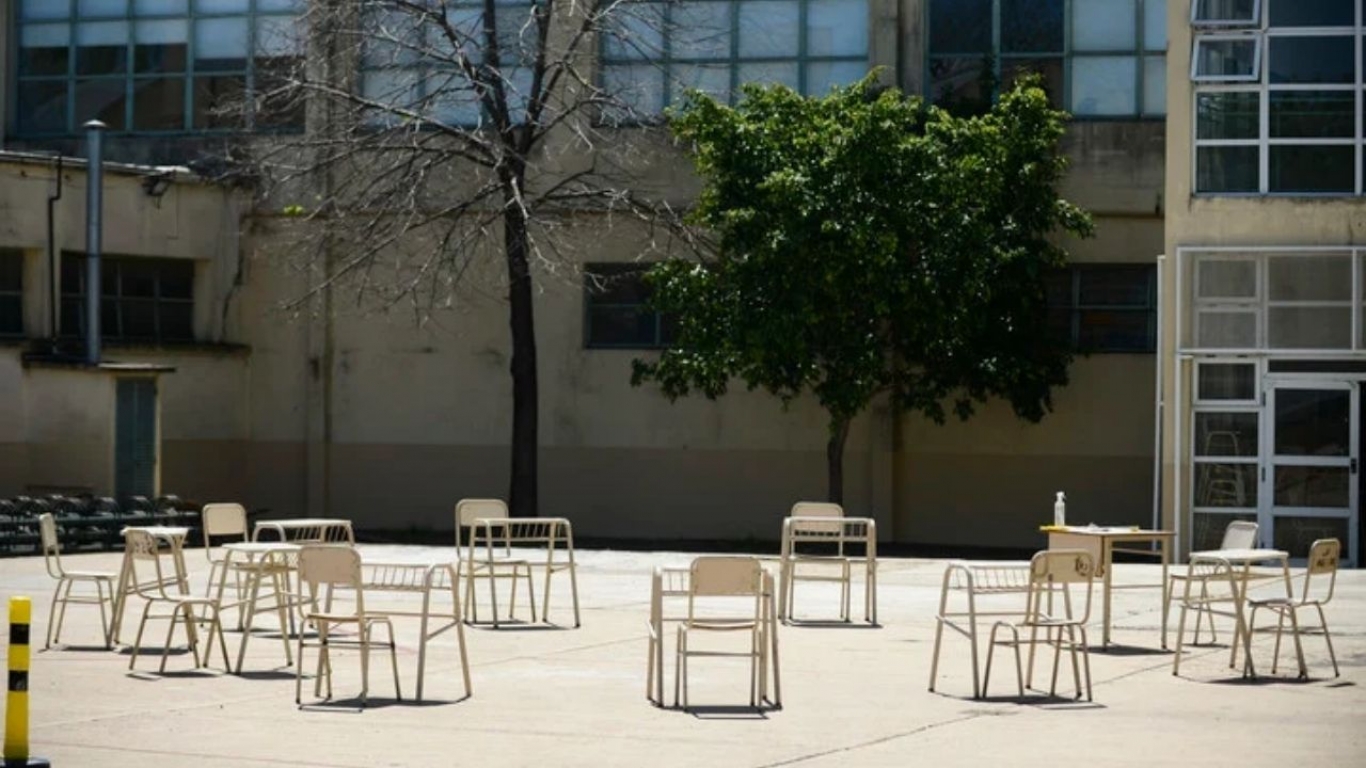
<point>94,208</point>
<point>54,295</point>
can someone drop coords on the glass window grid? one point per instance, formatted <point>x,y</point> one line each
<point>1068,54</point>
<point>1198,458</point>
<point>112,294</point>
<point>422,70</point>
<point>672,88</point>
<point>1251,21</point>
<point>609,271</point>
<point>188,74</point>
<point>1261,304</point>
<point>12,296</point>
<point>1264,87</point>
<point>1078,310</point>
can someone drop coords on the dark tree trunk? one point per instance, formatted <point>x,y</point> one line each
<point>834,459</point>
<point>522,494</point>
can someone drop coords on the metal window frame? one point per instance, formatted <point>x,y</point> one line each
<point>1255,75</point>
<point>114,295</point>
<point>188,77</point>
<point>619,268</point>
<point>13,294</point>
<point>1076,309</point>
<point>1254,21</point>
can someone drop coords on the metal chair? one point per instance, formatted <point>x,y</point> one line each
<point>1053,575</point>
<point>808,529</point>
<point>483,560</point>
<point>141,547</point>
<point>1323,561</point>
<point>218,521</point>
<point>1240,534</point>
<point>66,580</point>
<point>333,566</point>
<point>734,589</point>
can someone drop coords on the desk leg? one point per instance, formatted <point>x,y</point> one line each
<point>1241,633</point>
<point>422,630</point>
<point>1165,542</point>
<point>120,601</point>
<point>1107,562</point>
<point>773,629</point>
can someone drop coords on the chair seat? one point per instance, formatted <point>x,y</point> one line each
<point>91,575</point>
<point>720,626</point>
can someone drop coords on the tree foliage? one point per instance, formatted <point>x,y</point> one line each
<point>869,244</point>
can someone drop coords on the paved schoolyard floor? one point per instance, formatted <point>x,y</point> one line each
<point>853,695</point>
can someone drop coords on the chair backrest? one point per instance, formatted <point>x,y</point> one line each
<point>469,510</point>
<point>725,576</point>
<point>331,566</point>
<point>1240,534</point>
<point>223,520</point>
<point>52,549</point>
<point>1323,561</point>
<point>142,547</point>
<point>1054,571</point>
<point>818,509</point>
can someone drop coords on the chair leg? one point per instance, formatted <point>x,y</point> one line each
<point>61,613</point>
<point>1086,660</point>
<point>1328,638</point>
<point>1167,608</point>
<point>1181,629</point>
<point>298,674</point>
<point>365,662</point>
<point>52,613</point>
<point>1299,647</point>
<point>393,660</point>
<point>137,641</point>
<point>100,586</point>
<point>1072,650</point>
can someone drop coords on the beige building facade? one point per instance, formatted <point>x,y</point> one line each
<point>319,407</point>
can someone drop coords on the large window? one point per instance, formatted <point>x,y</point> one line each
<point>1104,307</point>
<point>11,293</point>
<point>154,66</point>
<point>653,51</point>
<point>1098,58</point>
<point>1279,87</point>
<point>616,312</point>
<point>142,300</point>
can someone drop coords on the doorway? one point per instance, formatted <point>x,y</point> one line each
<point>135,438</point>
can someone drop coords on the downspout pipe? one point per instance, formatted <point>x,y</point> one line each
<point>54,296</point>
<point>94,225</point>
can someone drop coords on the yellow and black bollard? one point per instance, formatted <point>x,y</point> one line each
<point>16,699</point>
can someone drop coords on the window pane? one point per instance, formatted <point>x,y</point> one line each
<point>1207,529</point>
<point>1226,434</point>
<point>160,46</point>
<point>634,31</point>
<point>177,279</point>
<point>102,100</point>
<point>1225,485</point>
<point>957,83</point>
<point>1309,327</point>
<point>1227,115</point>
<point>836,28</point>
<point>222,6</point>
<point>1114,331</point>
<point>1312,59</point>
<point>769,73</point>
<point>11,270</point>
<point>139,319</point>
<point>1225,10</point>
<point>1104,25</point>
<point>220,44</point>
<point>624,326</point>
<point>822,75</point>
<point>43,9</point>
<point>1313,422</point>
<point>1228,381</point>
<point>1311,13</point>
<point>278,104</point>
<point>159,104</point>
<point>102,48</point>
<point>160,7</point>
<point>1312,169</point>
<point>177,321</point>
<point>701,31</point>
<point>1050,69</point>
<point>43,49</point>
<point>1226,330</point>
<point>1032,26</point>
<point>712,79</point>
<point>1154,85</point>
<point>1226,169</point>
<point>1104,85</point>
<point>41,107</point>
<point>616,284</point>
<point>1155,25</point>
<point>218,102</point>
<point>394,88</point>
<point>1297,534</point>
<point>960,26</point>
<point>769,28</point>
<point>91,8</point>
<point>1226,58</point>
<point>1309,278</point>
<point>639,89</point>
<point>1312,487</point>
<point>1226,279</point>
<point>11,316</point>
<point>1115,286</point>
<point>1309,114</point>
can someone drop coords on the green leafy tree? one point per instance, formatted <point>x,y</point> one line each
<point>870,244</point>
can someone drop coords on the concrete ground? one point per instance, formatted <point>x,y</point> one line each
<point>852,695</point>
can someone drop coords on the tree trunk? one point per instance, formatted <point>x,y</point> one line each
<point>522,500</point>
<point>834,459</point>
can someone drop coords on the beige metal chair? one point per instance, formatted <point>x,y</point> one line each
<point>336,566</point>
<point>220,521</point>
<point>1058,579</point>
<point>67,580</point>
<point>1323,562</point>
<point>1240,534</point>
<point>736,601</point>
<point>822,562</point>
<point>143,552</point>
<point>483,558</point>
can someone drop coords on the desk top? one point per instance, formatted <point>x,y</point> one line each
<point>259,547</point>
<point>1108,531</point>
<point>303,522</point>
<point>162,531</point>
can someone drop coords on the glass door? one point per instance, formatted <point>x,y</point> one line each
<point>1309,466</point>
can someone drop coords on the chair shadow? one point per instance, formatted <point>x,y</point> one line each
<point>267,674</point>
<point>726,711</point>
<point>430,702</point>
<point>1043,700</point>
<point>78,648</point>
<point>152,676</point>
<point>1114,649</point>
<point>349,706</point>
<point>518,625</point>
<point>151,651</point>
<point>829,624</point>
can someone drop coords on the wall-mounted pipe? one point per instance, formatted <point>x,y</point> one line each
<point>53,292</point>
<point>94,213</point>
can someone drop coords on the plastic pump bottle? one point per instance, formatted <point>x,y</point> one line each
<point>1060,510</point>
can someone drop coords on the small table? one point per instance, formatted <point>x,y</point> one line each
<point>507,532</point>
<point>673,582</point>
<point>1100,542</point>
<point>307,529</point>
<point>259,560</point>
<point>171,535</point>
<point>830,530</point>
<point>1236,566</point>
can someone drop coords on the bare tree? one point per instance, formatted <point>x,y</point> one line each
<point>441,134</point>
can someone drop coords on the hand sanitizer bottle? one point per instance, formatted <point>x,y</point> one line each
<point>1060,510</point>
